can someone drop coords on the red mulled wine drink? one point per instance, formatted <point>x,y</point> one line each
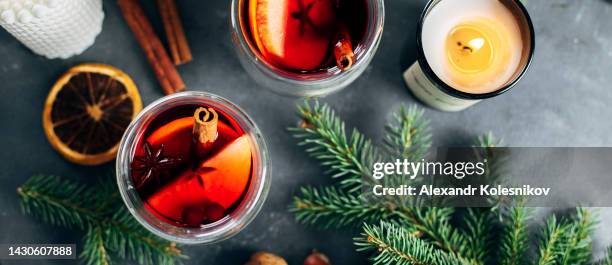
<point>192,165</point>
<point>308,35</point>
<point>306,48</point>
<point>193,168</point>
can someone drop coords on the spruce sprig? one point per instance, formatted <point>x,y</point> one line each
<point>514,238</point>
<point>579,245</point>
<point>552,243</point>
<point>109,228</point>
<point>334,208</point>
<point>607,260</point>
<point>324,134</point>
<point>58,201</point>
<point>394,244</point>
<point>347,158</point>
<point>434,224</point>
<point>94,249</point>
<point>408,134</point>
<point>477,234</point>
<point>409,233</point>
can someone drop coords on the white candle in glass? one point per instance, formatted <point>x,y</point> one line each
<point>470,50</point>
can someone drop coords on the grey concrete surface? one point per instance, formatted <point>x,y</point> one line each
<point>564,100</point>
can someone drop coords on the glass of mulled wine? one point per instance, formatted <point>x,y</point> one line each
<point>193,168</point>
<point>306,47</point>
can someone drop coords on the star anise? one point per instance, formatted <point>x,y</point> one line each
<point>303,16</point>
<point>152,165</point>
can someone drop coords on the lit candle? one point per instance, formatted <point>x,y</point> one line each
<point>470,50</point>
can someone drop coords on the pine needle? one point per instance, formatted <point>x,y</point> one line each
<point>434,224</point>
<point>477,234</point>
<point>110,229</point>
<point>333,208</point>
<point>94,250</point>
<point>578,238</point>
<point>409,233</point>
<point>514,238</point>
<point>323,133</point>
<point>607,260</point>
<point>393,244</point>
<point>408,135</point>
<point>552,243</point>
<point>58,202</point>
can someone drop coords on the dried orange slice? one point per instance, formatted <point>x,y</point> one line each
<point>87,111</point>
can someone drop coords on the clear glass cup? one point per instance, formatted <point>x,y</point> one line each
<point>231,224</point>
<point>291,83</point>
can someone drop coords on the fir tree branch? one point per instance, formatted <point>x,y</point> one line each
<point>67,203</point>
<point>487,144</point>
<point>477,235</point>
<point>331,207</point>
<point>578,238</point>
<point>94,250</point>
<point>514,237</point>
<point>488,140</point>
<point>408,135</point>
<point>434,224</point>
<point>58,202</point>
<point>323,132</point>
<point>395,245</point>
<point>409,233</point>
<point>607,260</point>
<point>488,148</point>
<point>324,135</point>
<point>552,243</point>
<point>130,241</point>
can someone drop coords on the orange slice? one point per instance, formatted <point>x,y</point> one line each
<point>293,33</point>
<point>87,111</point>
<point>221,179</point>
<point>177,135</point>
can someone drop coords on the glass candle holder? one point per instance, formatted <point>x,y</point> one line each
<point>469,51</point>
<point>242,213</point>
<point>312,83</point>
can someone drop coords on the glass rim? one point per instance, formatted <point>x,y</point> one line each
<point>372,38</point>
<point>449,90</point>
<point>250,205</point>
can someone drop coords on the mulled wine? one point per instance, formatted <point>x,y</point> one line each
<point>308,35</point>
<point>192,166</point>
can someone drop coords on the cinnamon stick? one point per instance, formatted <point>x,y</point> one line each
<point>204,129</point>
<point>343,49</point>
<point>166,73</point>
<point>177,41</point>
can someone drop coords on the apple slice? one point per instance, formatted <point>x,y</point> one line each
<point>220,180</point>
<point>293,33</point>
<point>176,136</point>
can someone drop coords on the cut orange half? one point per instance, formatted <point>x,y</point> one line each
<point>87,111</point>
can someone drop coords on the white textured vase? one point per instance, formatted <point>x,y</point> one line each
<point>53,28</point>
